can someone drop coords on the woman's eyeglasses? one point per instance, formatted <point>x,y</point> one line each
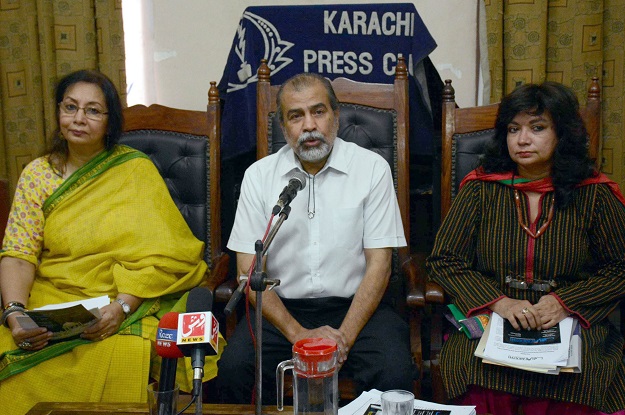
<point>91,112</point>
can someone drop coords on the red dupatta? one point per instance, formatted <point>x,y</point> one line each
<point>541,185</point>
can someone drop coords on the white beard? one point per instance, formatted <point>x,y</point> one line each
<point>315,153</point>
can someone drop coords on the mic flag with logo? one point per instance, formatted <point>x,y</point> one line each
<point>198,328</point>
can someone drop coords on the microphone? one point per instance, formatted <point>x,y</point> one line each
<point>198,333</point>
<point>168,350</point>
<point>296,183</point>
<point>236,296</point>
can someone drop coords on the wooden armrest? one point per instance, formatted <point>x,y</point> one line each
<point>434,293</point>
<point>216,276</point>
<point>225,290</point>
<point>416,277</point>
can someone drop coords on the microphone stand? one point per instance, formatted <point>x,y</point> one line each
<point>258,283</point>
<point>198,401</point>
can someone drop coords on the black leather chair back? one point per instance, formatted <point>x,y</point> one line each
<point>466,152</point>
<point>183,162</point>
<point>372,128</point>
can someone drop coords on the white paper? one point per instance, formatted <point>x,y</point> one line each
<point>89,303</point>
<point>548,355</point>
<point>359,405</point>
<point>548,359</point>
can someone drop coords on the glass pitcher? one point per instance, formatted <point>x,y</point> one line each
<point>315,377</point>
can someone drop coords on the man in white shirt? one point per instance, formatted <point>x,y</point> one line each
<point>332,256</point>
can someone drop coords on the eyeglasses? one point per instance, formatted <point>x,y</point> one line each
<point>92,113</point>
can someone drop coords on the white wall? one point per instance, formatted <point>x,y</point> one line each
<point>192,38</point>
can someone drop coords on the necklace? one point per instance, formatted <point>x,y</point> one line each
<point>311,213</point>
<point>517,201</point>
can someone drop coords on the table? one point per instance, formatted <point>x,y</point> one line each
<point>89,408</point>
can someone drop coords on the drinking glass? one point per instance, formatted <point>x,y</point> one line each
<point>397,402</point>
<point>162,402</point>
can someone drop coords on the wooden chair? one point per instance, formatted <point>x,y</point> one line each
<point>465,132</point>
<point>185,147</point>
<point>381,110</point>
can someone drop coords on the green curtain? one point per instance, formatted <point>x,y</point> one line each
<point>41,41</point>
<point>568,41</point>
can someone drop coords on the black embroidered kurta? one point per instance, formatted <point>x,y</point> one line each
<point>583,249</point>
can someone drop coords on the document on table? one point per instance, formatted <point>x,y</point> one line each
<point>371,399</point>
<point>546,351</point>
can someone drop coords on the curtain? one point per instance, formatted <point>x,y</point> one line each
<point>41,41</point>
<point>568,41</point>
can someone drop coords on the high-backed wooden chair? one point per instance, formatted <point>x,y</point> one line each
<point>374,116</point>
<point>465,133</point>
<point>185,147</point>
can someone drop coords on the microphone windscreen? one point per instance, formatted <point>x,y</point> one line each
<point>199,299</point>
<point>300,177</point>
<point>166,336</point>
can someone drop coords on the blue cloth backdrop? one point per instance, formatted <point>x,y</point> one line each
<point>360,42</point>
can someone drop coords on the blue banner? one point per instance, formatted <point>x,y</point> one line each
<point>359,42</point>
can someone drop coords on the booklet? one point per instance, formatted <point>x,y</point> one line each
<point>368,403</point>
<point>65,320</point>
<point>548,351</point>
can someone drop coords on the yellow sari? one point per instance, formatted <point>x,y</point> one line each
<point>110,228</point>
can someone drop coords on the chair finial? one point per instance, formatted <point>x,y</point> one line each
<point>401,70</point>
<point>449,94</point>
<point>213,93</point>
<point>264,73</point>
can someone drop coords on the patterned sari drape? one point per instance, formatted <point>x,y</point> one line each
<point>568,41</point>
<point>41,41</point>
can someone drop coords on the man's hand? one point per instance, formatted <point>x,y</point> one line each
<point>327,332</point>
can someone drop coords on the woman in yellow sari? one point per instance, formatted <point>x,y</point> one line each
<point>91,218</point>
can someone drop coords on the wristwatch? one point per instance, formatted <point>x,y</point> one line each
<point>125,306</point>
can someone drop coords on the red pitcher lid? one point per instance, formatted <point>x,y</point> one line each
<point>316,349</point>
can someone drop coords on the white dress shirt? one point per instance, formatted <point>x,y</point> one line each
<point>354,205</point>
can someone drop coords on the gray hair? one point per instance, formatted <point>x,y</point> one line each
<point>302,81</point>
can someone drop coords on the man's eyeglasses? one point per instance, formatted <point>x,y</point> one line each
<point>92,113</point>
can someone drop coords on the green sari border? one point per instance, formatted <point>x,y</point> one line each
<point>95,167</point>
<point>17,361</point>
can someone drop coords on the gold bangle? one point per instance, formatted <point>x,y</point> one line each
<point>13,304</point>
